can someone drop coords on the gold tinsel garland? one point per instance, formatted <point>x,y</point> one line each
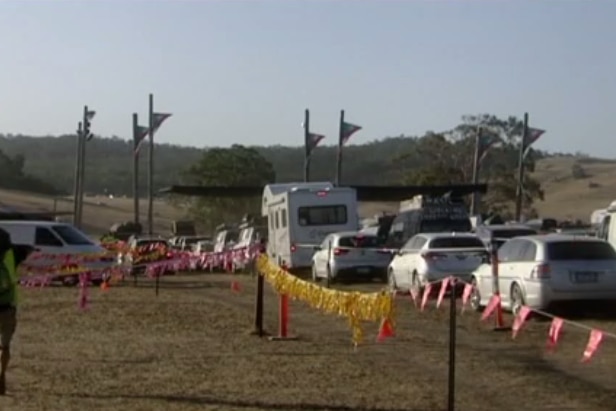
<point>353,305</point>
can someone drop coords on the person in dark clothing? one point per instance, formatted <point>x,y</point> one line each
<point>8,303</point>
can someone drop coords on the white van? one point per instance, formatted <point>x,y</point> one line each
<point>301,215</point>
<point>50,237</point>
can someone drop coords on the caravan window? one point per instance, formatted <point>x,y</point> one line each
<point>322,215</point>
<point>277,220</point>
<point>283,217</point>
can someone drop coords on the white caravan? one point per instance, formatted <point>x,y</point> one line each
<point>301,215</point>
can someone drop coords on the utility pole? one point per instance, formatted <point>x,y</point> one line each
<point>339,154</point>
<point>76,185</point>
<point>151,169</point>
<point>307,145</point>
<point>86,136</point>
<point>475,198</point>
<point>520,191</point>
<point>136,142</point>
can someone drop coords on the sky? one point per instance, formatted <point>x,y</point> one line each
<point>244,71</point>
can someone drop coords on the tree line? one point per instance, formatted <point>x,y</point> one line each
<point>435,158</point>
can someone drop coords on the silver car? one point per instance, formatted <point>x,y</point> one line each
<point>540,270</point>
<point>350,253</point>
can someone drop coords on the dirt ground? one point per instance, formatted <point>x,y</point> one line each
<point>190,349</point>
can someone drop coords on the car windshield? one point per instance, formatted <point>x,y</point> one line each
<point>71,236</point>
<point>580,250</point>
<point>456,242</point>
<point>359,241</point>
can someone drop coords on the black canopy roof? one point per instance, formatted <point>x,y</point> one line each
<point>364,193</point>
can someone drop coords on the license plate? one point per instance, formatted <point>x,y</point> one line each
<point>586,277</point>
<point>363,270</point>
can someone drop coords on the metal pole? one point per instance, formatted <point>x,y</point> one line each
<point>475,198</point>
<point>451,385</point>
<point>520,191</point>
<point>79,141</point>
<point>339,158</point>
<point>307,146</point>
<point>135,169</point>
<point>259,307</point>
<point>82,167</point>
<point>151,170</point>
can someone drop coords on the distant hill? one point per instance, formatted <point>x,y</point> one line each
<point>109,168</point>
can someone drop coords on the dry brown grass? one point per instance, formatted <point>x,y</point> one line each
<point>189,349</point>
<point>99,212</point>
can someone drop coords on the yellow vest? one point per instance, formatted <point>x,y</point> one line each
<point>9,296</point>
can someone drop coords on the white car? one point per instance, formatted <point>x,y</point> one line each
<point>434,256</point>
<point>349,253</point>
<point>540,270</point>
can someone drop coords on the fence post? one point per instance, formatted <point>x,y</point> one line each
<point>283,316</point>
<point>499,323</point>
<point>258,330</point>
<point>451,384</point>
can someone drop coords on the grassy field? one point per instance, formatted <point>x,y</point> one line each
<point>565,197</point>
<point>190,349</point>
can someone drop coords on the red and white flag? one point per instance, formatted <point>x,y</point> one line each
<point>441,293</point>
<point>466,295</point>
<point>426,294</point>
<point>554,333</point>
<point>519,321</point>
<point>491,307</point>
<point>594,340</point>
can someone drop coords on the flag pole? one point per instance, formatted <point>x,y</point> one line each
<point>339,157</point>
<point>520,190</point>
<point>475,197</point>
<point>136,168</point>
<point>77,175</point>
<point>306,146</point>
<point>151,169</point>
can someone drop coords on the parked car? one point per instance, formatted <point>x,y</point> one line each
<point>50,238</point>
<point>538,271</point>
<point>137,263</point>
<point>502,232</point>
<point>350,253</point>
<point>431,257</point>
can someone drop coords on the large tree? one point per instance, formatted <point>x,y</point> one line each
<point>447,158</point>
<point>235,166</point>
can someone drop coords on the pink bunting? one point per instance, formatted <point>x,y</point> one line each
<point>441,293</point>
<point>554,333</point>
<point>519,320</point>
<point>491,307</point>
<point>466,295</point>
<point>594,340</point>
<point>426,294</point>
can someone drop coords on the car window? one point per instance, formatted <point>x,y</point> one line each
<point>360,241</point>
<point>410,244</point>
<point>517,251</point>
<point>421,241</point>
<point>530,252</point>
<point>70,235</point>
<point>505,234</point>
<point>504,253</point>
<point>456,242</point>
<point>44,237</point>
<point>580,250</point>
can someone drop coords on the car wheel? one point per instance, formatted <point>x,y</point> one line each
<point>416,284</point>
<point>475,299</point>
<point>330,278</point>
<point>517,299</point>
<point>315,277</point>
<point>391,281</point>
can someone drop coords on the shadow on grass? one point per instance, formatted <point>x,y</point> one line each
<point>206,400</point>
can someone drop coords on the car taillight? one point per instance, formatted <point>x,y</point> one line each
<point>340,251</point>
<point>431,255</point>
<point>293,248</point>
<point>169,255</point>
<point>321,193</point>
<point>541,272</point>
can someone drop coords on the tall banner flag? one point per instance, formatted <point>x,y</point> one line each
<point>159,118</point>
<point>312,142</point>
<point>532,135</point>
<point>346,131</point>
<point>141,133</point>
<point>486,142</point>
